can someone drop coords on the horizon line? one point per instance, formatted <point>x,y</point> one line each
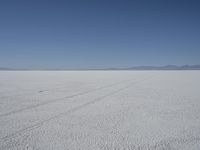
<point>142,67</point>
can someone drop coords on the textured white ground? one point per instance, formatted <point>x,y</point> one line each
<point>100,110</point>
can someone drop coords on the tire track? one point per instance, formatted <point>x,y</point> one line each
<point>61,99</point>
<point>46,121</point>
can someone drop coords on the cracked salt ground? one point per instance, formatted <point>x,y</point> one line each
<point>146,113</point>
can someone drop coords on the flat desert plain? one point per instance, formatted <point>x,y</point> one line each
<point>100,110</point>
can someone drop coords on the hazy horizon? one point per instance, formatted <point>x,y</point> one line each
<point>144,67</point>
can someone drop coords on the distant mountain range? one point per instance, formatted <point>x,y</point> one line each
<point>166,67</point>
<point>6,68</point>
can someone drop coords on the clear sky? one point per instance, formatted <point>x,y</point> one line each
<point>79,34</point>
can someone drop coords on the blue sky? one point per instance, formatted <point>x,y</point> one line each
<point>79,34</point>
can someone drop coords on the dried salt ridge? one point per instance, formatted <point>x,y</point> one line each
<point>99,110</point>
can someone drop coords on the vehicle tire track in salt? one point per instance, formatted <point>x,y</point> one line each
<point>41,123</point>
<point>61,99</point>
